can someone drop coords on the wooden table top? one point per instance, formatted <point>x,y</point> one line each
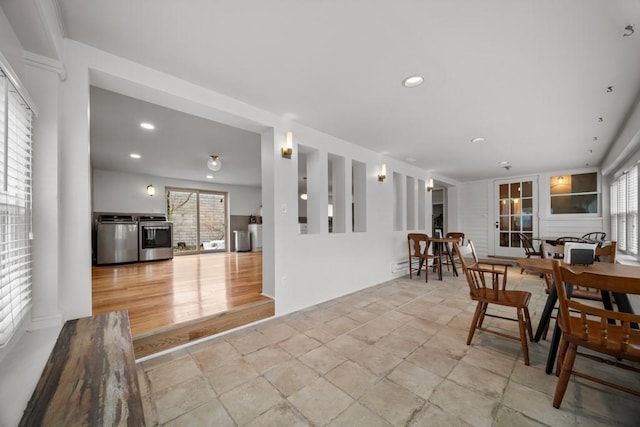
<point>546,266</point>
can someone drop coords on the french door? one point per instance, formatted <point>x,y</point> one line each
<point>516,212</point>
<point>199,220</point>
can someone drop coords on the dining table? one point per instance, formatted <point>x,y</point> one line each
<point>545,266</point>
<point>442,247</point>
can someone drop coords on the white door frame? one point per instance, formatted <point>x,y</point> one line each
<point>495,217</point>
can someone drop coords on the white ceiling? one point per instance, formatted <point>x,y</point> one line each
<point>529,76</point>
<point>178,147</point>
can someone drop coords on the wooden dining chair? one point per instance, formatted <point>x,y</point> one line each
<point>587,327</point>
<point>595,236</point>
<point>529,250</point>
<point>454,235</point>
<point>569,239</point>
<point>602,254</point>
<point>419,256</point>
<point>487,282</point>
<point>550,251</point>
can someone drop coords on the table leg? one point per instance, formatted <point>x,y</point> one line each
<point>553,349</point>
<point>622,301</point>
<point>546,313</point>
<point>557,333</point>
<point>450,255</point>
<point>439,246</point>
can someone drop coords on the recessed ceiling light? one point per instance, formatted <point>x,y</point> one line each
<point>148,126</point>
<point>209,176</point>
<point>303,196</point>
<point>413,81</point>
<point>478,139</point>
<point>504,162</point>
<point>135,155</point>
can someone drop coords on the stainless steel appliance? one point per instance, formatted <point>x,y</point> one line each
<point>155,238</point>
<point>242,240</point>
<point>116,239</point>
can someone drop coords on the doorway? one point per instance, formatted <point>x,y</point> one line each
<point>199,220</point>
<point>438,212</point>
<point>517,212</point>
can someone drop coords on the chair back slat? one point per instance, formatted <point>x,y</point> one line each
<point>417,243</point>
<point>607,253</point>
<point>457,235</point>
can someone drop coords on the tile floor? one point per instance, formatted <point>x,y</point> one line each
<point>390,355</point>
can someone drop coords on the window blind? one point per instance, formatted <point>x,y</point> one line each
<point>15,210</point>
<point>613,196</point>
<point>622,217</point>
<point>632,211</point>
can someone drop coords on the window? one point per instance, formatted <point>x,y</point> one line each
<point>15,209</point>
<point>624,211</point>
<point>574,194</point>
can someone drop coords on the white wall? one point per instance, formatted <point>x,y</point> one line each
<point>10,46</point>
<point>127,193</point>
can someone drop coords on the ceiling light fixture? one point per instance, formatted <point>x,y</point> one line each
<point>214,163</point>
<point>147,126</point>
<point>135,155</point>
<point>628,31</point>
<point>304,196</point>
<point>478,139</point>
<point>413,81</point>
<point>209,176</point>
<point>609,89</point>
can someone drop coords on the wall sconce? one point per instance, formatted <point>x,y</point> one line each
<point>383,173</point>
<point>430,184</point>
<point>151,190</point>
<point>560,179</point>
<point>287,150</point>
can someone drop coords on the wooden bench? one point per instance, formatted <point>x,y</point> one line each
<point>90,377</point>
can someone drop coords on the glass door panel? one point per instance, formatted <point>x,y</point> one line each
<point>212,222</point>
<point>515,214</point>
<point>182,208</point>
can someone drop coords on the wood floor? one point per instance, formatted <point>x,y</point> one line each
<point>176,301</point>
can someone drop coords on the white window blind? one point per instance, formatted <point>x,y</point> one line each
<point>624,211</point>
<point>632,211</point>
<point>15,209</point>
<point>622,218</point>
<point>614,210</point>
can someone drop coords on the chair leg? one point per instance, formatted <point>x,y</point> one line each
<point>474,322</point>
<point>527,318</point>
<point>523,336</point>
<point>565,374</point>
<point>562,352</point>
<point>484,310</point>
